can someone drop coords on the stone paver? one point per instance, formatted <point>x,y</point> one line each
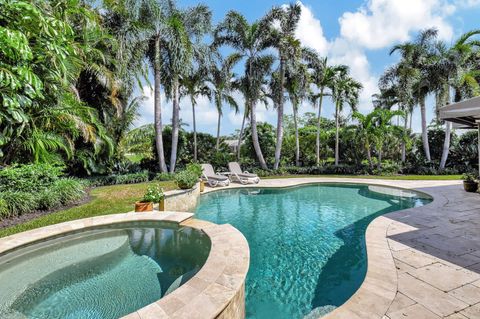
<point>433,299</point>
<point>401,301</point>
<point>415,311</point>
<point>444,277</point>
<point>472,312</point>
<point>468,293</point>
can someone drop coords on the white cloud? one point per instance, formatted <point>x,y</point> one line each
<point>310,31</point>
<point>467,3</point>
<point>381,23</point>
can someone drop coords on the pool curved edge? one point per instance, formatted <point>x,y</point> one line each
<point>379,287</point>
<point>216,291</point>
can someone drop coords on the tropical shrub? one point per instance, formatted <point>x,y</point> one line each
<point>68,190</point>
<point>26,188</point>
<point>154,194</point>
<point>195,169</point>
<point>186,179</point>
<point>3,208</point>
<point>469,177</point>
<point>18,203</point>
<point>29,178</point>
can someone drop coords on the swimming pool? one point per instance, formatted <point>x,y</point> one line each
<point>307,243</point>
<point>105,272</point>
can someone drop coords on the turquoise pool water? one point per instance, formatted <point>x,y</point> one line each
<point>307,243</point>
<point>99,274</point>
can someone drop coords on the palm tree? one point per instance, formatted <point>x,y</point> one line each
<point>285,20</point>
<point>180,36</point>
<point>221,79</point>
<point>345,90</point>
<point>460,72</point>
<point>383,128</point>
<point>250,42</point>
<point>152,18</point>
<point>297,85</point>
<point>366,132</point>
<point>396,89</point>
<point>195,86</point>
<point>324,78</point>
<point>418,56</point>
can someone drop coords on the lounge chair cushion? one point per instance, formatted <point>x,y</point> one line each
<point>209,173</point>
<point>247,175</point>
<point>236,169</point>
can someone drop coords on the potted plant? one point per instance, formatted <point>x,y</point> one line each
<point>153,195</point>
<point>470,183</point>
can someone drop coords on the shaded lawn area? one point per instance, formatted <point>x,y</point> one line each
<point>393,177</point>
<point>104,201</point>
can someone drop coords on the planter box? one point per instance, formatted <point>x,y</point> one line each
<point>143,207</point>
<point>470,186</point>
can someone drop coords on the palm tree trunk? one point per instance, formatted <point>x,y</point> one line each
<point>256,143</point>
<point>158,108</point>
<point>446,145</point>
<point>336,134</point>
<point>175,124</point>
<point>448,131</point>
<point>278,146</point>
<point>319,118</point>
<point>195,154</point>
<point>379,164</point>
<point>297,140</point>
<point>410,121</point>
<point>369,157</point>
<point>404,146</point>
<point>240,134</point>
<point>217,147</point>
<point>426,147</point>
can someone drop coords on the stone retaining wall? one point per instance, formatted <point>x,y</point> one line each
<point>182,200</point>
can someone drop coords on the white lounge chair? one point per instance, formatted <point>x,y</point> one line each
<point>213,179</point>
<point>237,175</point>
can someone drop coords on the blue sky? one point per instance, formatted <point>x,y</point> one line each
<point>357,33</point>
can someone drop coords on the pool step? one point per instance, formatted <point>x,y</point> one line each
<point>21,270</point>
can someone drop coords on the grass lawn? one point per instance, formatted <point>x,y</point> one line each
<point>393,177</point>
<point>105,200</point>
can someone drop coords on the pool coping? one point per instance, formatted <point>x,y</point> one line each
<point>379,288</point>
<point>205,295</point>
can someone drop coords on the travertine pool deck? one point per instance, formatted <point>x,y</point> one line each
<point>423,263</point>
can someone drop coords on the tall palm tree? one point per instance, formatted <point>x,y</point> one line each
<point>323,78</point>
<point>250,41</point>
<point>461,73</point>
<point>285,21</point>
<point>152,18</point>
<point>345,90</point>
<point>298,87</point>
<point>418,56</point>
<point>396,89</point>
<point>195,86</point>
<point>242,85</point>
<point>181,34</point>
<point>221,78</point>
<point>366,132</point>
